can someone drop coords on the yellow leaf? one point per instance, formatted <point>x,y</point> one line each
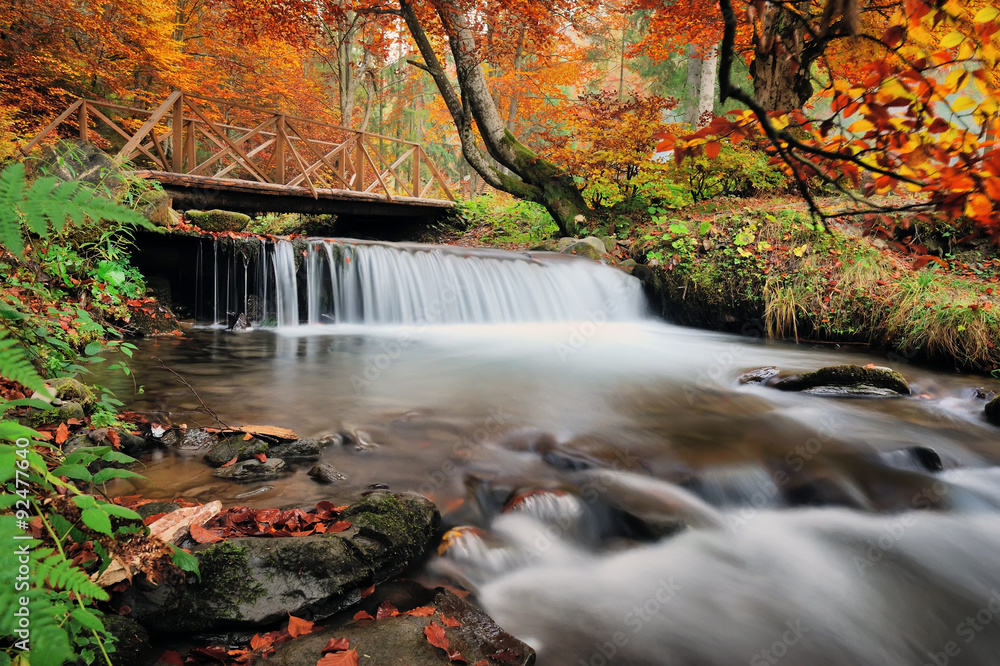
<point>962,104</point>
<point>956,79</point>
<point>952,39</point>
<point>861,126</point>
<point>986,14</point>
<point>978,205</point>
<point>800,250</point>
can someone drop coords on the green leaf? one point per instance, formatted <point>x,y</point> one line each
<point>84,501</point>
<point>118,457</point>
<point>96,520</point>
<point>87,619</point>
<point>120,511</point>
<point>185,561</point>
<point>109,473</point>
<point>92,349</point>
<point>78,472</point>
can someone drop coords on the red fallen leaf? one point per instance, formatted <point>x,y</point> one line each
<point>363,616</point>
<point>267,515</point>
<point>870,365</point>
<point>258,642</point>
<point>435,636</point>
<point>260,456</point>
<point>349,658</point>
<point>171,657</point>
<point>338,526</point>
<point>367,592</point>
<point>201,535</point>
<point>386,610</point>
<point>422,611</point>
<point>449,621</point>
<point>302,533</point>
<point>79,422</point>
<point>149,520</point>
<point>62,433</point>
<point>321,529</point>
<point>247,437</point>
<point>482,662</point>
<point>44,435</point>
<point>336,645</point>
<point>299,627</point>
<point>231,462</point>
<point>116,441</point>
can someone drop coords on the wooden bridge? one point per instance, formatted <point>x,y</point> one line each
<point>212,153</point>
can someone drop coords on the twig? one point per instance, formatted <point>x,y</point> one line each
<point>184,381</point>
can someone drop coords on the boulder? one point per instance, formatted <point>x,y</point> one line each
<point>847,381</point>
<point>993,411</point>
<point>67,388</point>
<point>132,646</point>
<point>300,449</point>
<point>135,445</point>
<point>79,160</point>
<point>326,473</point>
<point>67,410</point>
<point>582,249</point>
<point>596,243</point>
<point>609,243</point>
<point>194,439</point>
<point>252,470</point>
<point>241,324</point>
<point>254,582</point>
<point>565,242</point>
<point>154,204</point>
<point>401,639</point>
<point>218,220</point>
<point>226,449</point>
<point>758,375</point>
<point>628,265</point>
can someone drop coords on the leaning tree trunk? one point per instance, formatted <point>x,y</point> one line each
<point>534,178</point>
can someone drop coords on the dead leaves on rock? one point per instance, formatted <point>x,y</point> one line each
<point>241,521</point>
<point>338,652</point>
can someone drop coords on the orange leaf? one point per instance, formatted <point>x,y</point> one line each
<point>449,621</point>
<point>386,610</point>
<point>258,642</point>
<point>435,636</point>
<point>422,611</point>
<point>349,658</point>
<point>736,137</point>
<point>116,441</point>
<point>712,149</point>
<point>232,462</point>
<point>338,526</point>
<point>247,437</point>
<point>367,592</point>
<point>201,535</point>
<point>363,616</point>
<point>260,456</point>
<point>62,433</point>
<point>299,627</point>
<point>337,645</point>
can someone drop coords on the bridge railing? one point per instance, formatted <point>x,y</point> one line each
<point>206,138</point>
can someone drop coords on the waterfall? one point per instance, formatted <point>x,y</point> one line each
<point>348,282</point>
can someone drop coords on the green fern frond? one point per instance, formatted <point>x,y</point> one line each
<point>11,193</point>
<point>15,365</point>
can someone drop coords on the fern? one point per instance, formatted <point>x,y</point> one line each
<point>47,204</point>
<point>16,366</point>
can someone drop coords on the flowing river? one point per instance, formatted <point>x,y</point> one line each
<point>534,399</point>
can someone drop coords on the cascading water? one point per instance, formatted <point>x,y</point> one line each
<point>337,282</point>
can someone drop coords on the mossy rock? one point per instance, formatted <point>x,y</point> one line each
<point>584,249</point>
<point>235,447</point>
<point>255,582</point>
<point>847,380</point>
<point>61,414</point>
<point>993,411</point>
<point>252,470</point>
<point>219,220</point>
<point>154,205</point>
<point>67,388</point>
<point>132,646</point>
<point>154,508</point>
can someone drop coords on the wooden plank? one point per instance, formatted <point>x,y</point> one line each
<point>319,155</point>
<point>378,176</point>
<point>437,174</point>
<point>123,133</point>
<point>298,161</point>
<point>178,134</point>
<point>415,189</point>
<point>190,147</point>
<point>390,169</point>
<point>336,168</point>
<point>83,121</point>
<point>51,126</point>
<point>359,162</point>
<point>239,142</point>
<point>248,163</point>
<point>159,148</point>
<point>158,115</point>
<point>279,150</point>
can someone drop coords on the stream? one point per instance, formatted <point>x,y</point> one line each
<point>571,435</point>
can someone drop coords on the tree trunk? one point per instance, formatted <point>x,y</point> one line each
<point>691,90</point>
<point>781,67</point>
<point>706,90</point>
<point>535,179</point>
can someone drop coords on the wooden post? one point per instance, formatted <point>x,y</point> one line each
<point>359,163</point>
<point>416,171</point>
<point>178,140</point>
<point>190,147</point>
<point>279,151</point>
<point>84,120</point>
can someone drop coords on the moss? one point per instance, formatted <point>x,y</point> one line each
<point>67,388</point>
<point>401,526</point>
<point>227,581</point>
<point>219,220</point>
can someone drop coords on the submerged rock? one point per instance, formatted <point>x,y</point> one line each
<point>758,375</point>
<point>300,449</point>
<point>257,581</point>
<point>196,438</point>
<point>326,473</point>
<point>993,410</point>
<point>226,449</point>
<point>400,639</point>
<point>252,470</point>
<point>847,381</point>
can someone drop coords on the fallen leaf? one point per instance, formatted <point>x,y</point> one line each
<point>422,611</point>
<point>338,526</point>
<point>62,433</point>
<point>116,440</point>
<point>363,616</point>
<point>367,592</point>
<point>336,645</point>
<point>172,657</point>
<point>386,610</point>
<point>258,642</point>
<point>201,535</point>
<point>261,457</point>
<point>247,437</point>
<point>449,621</point>
<point>435,636</point>
<point>232,462</point>
<point>349,658</point>
<point>299,627</point>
